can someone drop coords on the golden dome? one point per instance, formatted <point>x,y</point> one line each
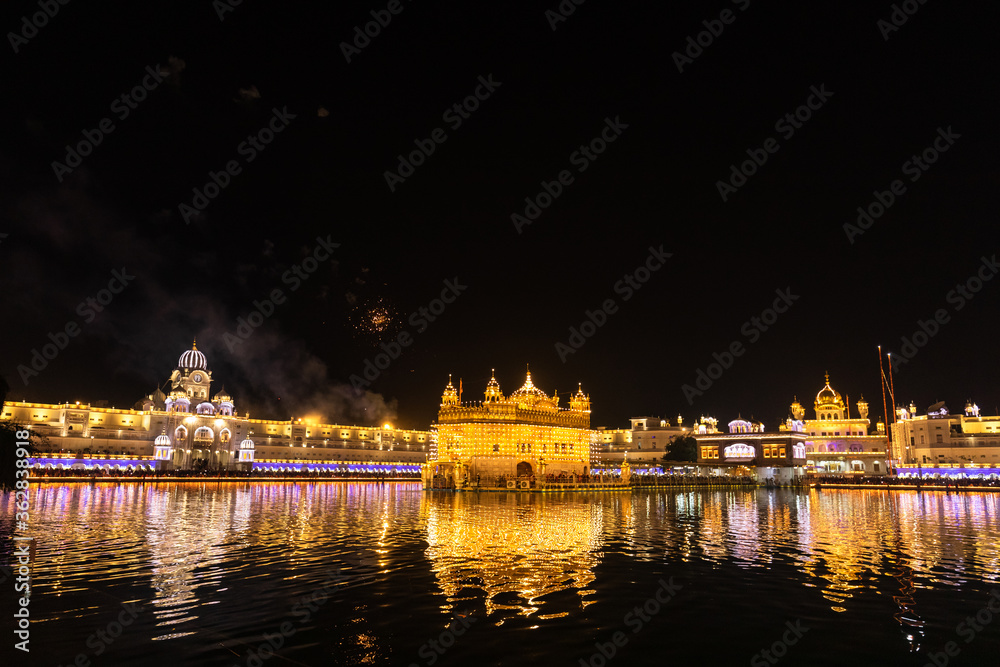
<point>493,392</point>
<point>528,389</point>
<point>828,397</point>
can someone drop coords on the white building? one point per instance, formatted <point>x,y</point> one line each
<point>940,438</point>
<point>188,428</point>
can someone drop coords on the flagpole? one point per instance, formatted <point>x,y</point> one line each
<point>885,413</point>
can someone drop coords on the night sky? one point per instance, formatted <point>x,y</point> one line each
<point>881,94</point>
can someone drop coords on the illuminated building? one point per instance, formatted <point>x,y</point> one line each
<point>649,439</point>
<point>188,428</point>
<point>939,437</point>
<point>748,449</point>
<point>610,446</point>
<point>839,443</point>
<point>522,435</point>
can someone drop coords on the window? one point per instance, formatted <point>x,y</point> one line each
<point>781,452</point>
<point>939,438</point>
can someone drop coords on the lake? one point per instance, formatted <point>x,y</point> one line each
<point>367,573</point>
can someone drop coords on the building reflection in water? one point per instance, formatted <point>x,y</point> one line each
<point>515,549</point>
<point>518,555</point>
<point>189,541</point>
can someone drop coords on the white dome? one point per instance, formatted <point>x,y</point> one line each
<point>193,358</point>
<point>162,440</point>
<point>246,444</point>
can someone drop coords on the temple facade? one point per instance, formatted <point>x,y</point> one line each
<point>838,442</point>
<point>521,436</point>
<point>183,426</point>
<point>750,450</point>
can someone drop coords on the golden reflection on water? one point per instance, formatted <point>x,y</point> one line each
<point>519,555</point>
<point>839,542</point>
<point>527,545</point>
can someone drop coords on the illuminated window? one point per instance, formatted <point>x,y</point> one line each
<point>781,453</point>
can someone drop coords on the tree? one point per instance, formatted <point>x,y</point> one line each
<point>8,446</point>
<point>682,448</point>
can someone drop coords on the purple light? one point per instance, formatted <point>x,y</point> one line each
<point>90,463</point>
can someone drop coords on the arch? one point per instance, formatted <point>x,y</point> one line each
<point>524,469</point>
<point>180,433</point>
<point>204,433</point>
<point>739,451</point>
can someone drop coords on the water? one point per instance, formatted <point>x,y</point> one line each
<point>201,573</point>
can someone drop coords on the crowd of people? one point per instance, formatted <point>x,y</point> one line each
<point>916,482</point>
<point>691,480</point>
<point>597,481</point>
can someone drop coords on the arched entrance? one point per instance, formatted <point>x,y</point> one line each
<point>523,469</point>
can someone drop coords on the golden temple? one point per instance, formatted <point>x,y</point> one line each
<point>506,440</point>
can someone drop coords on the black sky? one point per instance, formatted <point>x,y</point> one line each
<point>323,176</point>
